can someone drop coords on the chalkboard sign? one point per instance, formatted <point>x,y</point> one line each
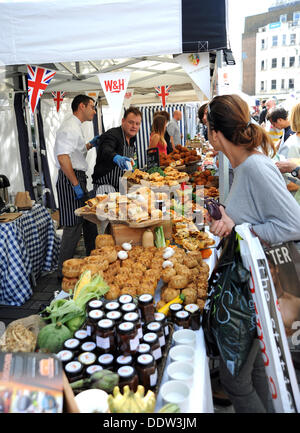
<point>152,157</point>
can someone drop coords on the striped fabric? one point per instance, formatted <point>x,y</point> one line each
<point>188,125</point>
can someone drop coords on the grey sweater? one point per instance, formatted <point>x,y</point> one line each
<point>259,196</point>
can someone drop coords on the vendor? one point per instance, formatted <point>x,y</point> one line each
<point>115,149</point>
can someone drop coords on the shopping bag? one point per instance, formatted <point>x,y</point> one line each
<point>229,321</point>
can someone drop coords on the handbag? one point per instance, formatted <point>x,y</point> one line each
<point>229,320</point>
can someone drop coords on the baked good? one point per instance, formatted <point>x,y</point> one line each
<point>104,240</point>
<point>72,268</point>
<point>68,284</point>
<point>98,260</point>
<point>93,267</point>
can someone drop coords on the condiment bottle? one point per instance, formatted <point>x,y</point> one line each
<point>147,371</point>
<point>116,316</point>
<point>128,376</point>
<point>125,299</point>
<point>157,329</point>
<point>72,344</point>
<point>81,335</point>
<point>105,336</point>
<point>195,319</point>
<point>142,349</point>
<point>111,306</point>
<point>92,369</point>
<point>87,359</point>
<point>123,360</point>
<point>174,308</point>
<point>74,371</point>
<point>128,339</point>
<point>135,319</point>
<point>88,346</point>
<point>146,307</point>
<point>162,319</point>
<point>152,339</point>
<point>93,318</point>
<point>95,304</point>
<point>182,320</point>
<point>128,308</point>
<point>107,361</point>
<point>65,356</point>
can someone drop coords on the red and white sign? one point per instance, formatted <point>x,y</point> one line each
<point>128,98</point>
<point>163,92</point>
<point>114,85</point>
<point>58,97</point>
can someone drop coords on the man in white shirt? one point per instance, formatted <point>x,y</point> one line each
<point>70,152</point>
<point>174,130</point>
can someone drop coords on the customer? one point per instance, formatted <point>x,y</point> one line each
<point>157,137</point>
<point>167,136</point>
<point>257,196</point>
<point>263,113</point>
<point>291,148</point>
<point>274,133</point>
<point>202,115</point>
<point>70,151</point>
<point>174,130</point>
<point>116,147</point>
<point>279,120</point>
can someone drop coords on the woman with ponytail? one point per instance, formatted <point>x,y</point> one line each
<point>157,137</point>
<point>258,196</point>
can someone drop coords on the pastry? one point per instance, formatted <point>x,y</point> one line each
<point>68,284</point>
<point>94,268</point>
<point>72,268</point>
<point>104,240</point>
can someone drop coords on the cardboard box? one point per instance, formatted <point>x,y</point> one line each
<point>123,233</point>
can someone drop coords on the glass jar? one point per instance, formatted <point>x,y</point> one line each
<point>147,371</point>
<point>195,318</point>
<point>87,359</point>
<point>105,336</point>
<point>146,307</point>
<point>74,371</point>
<point>135,319</point>
<point>152,339</point>
<point>129,308</point>
<point>182,320</point>
<point>128,339</point>
<point>88,346</point>
<point>128,376</point>
<point>143,349</point>
<point>174,308</point>
<point>157,329</point>
<point>162,319</point>
<point>81,335</point>
<point>107,361</point>
<point>93,318</point>
<point>92,369</point>
<point>95,304</point>
<point>65,356</point>
<point>125,299</point>
<point>111,306</point>
<point>72,344</point>
<point>123,360</point>
<point>116,316</point>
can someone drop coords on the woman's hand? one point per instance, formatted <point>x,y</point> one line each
<point>286,166</point>
<point>223,226</point>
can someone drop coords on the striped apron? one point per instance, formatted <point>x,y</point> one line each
<point>67,202</point>
<point>110,182</point>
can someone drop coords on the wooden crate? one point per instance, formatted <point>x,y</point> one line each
<point>123,233</point>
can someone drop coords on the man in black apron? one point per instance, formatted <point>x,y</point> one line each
<point>115,149</point>
<point>70,152</point>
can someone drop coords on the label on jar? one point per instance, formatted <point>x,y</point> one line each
<point>126,326</point>
<point>93,368</point>
<point>145,359</point>
<point>153,326</point>
<point>128,307</point>
<point>166,330</point>
<point>81,334</point>
<point>191,308</point>
<point>182,315</point>
<point>131,317</point>
<point>89,330</point>
<point>175,307</point>
<point>142,348</point>
<point>140,332</point>
<point>112,305</point>
<point>134,342</point>
<point>157,353</point>
<point>159,317</point>
<point>65,355</point>
<point>124,359</point>
<point>89,346</point>
<point>103,343</point>
<point>153,378</point>
<point>105,323</point>
<point>162,341</point>
<point>87,358</point>
<point>106,359</point>
<point>146,298</point>
<point>150,337</point>
<point>125,371</point>
<point>114,315</point>
<point>125,299</point>
<point>73,367</point>
<point>95,304</point>
<point>72,343</point>
<point>96,314</point>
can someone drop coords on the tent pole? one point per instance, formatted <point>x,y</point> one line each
<point>38,149</point>
<point>30,142</point>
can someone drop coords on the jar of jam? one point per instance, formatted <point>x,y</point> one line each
<point>152,339</point>
<point>116,316</point>
<point>105,336</point>
<point>96,304</point>
<point>129,308</point>
<point>123,360</point>
<point>135,319</point>
<point>143,349</point>
<point>107,361</point>
<point>128,339</point>
<point>128,376</point>
<point>146,307</point>
<point>93,318</point>
<point>74,371</point>
<point>88,346</point>
<point>81,335</point>
<point>157,329</point>
<point>87,359</point>
<point>195,319</point>
<point>147,371</point>
<point>65,356</point>
<point>92,369</point>
<point>162,319</point>
<point>111,306</point>
<point>182,320</point>
<point>125,299</point>
<point>72,344</point>
<point>174,308</point>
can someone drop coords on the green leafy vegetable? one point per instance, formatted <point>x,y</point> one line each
<point>156,170</point>
<point>159,237</point>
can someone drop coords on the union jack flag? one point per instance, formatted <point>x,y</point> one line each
<point>38,80</point>
<point>163,92</point>
<point>58,98</point>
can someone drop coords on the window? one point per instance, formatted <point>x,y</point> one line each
<point>262,86</point>
<point>262,66</point>
<point>283,18</point>
<point>291,83</point>
<point>282,84</point>
<point>292,61</point>
<point>274,41</point>
<point>274,63</point>
<point>273,85</point>
<point>283,62</point>
<point>293,39</point>
<point>296,16</point>
<point>263,44</point>
<point>283,39</point>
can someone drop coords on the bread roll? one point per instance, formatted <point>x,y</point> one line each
<point>72,268</point>
<point>104,240</point>
<point>68,284</point>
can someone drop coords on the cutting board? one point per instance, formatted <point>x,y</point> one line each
<point>9,217</point>
<point>123,233</point>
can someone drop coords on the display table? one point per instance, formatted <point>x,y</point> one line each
<point>28,246</point>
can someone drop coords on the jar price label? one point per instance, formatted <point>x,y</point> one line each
<point>103,343</point>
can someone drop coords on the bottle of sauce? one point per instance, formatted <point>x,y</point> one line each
<point>92,369</point>
<point>195,318</point>
<point>182,320</point>
<point>87,359</point>
<point>65,356</point>
<point>111,306</point>
<point>107,361</point>
<point>128,308</point>
<point>128,339</point>
<point>135,319</point>
<point>146,307</point>
<point>74,371</point>
<point>81,335</point>
<point>125,299</point>
<point>128,376</point>
<point>147,371</point>
<point>105,336</point>
<point>174,308</point>
<point>96,304</point>
<point>157,329</point>
<point>72,344</point>
<point>116,316</point>
<point>123,360</point>
<point>93,318</point>
<point>88,346</point>
<point>152,339</point>
<point>162,319</point>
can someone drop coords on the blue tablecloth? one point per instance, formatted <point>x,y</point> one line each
<point>28,246</point>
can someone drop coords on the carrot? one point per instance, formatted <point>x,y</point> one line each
<point>206,253</point>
